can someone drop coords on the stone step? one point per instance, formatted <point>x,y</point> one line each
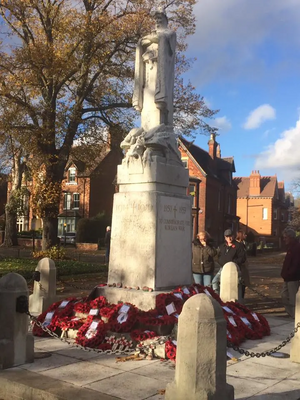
<point>19,384</point>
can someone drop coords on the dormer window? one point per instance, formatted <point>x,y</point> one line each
<point>72,175</point>
<point>185,162</point>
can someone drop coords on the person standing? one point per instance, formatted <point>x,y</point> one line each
<point>230,250</point>
<point>290,271</point>
<point>203,259</point>
<point>245,276</point>
<point>107,244</point>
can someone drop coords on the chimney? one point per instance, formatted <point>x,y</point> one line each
<point>254,187</point>
<point>114,137</point>
<point>212,145</point>
<point>218,151</point>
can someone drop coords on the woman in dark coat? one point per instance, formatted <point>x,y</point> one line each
<point>203,259</point>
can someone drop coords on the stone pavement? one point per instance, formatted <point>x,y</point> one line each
<point>70,373</point>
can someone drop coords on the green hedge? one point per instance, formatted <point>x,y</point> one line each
<point>92,230</point>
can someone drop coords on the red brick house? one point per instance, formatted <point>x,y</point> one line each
<point>87,190</point>
<point>262,206</point>
<point>212,187</point>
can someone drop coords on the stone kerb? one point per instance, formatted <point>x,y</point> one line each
<point>44,291</point>
<point>200,372</point>
<point>229,289</point>
<point>16,345</point>
<point>295,345</point>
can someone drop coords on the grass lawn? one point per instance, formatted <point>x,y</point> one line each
<point>25,267</point>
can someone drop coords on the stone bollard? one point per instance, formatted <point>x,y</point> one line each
<point>230,289</point>
<point>201,359</point>
<point>295,345</point>
<point>44,291</point>
<point>16,344</point>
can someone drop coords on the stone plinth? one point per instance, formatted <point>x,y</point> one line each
<point>295,347</point>
<point>200,372</point>
<point>151,228</point>
<point>44,291</point>
<point>143,300</point>
<point>16,345</point>
<point>229,290</point>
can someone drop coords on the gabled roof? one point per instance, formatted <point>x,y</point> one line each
<point>204,161</point>
<point>226,163</point>
<point>199,156</point>
<point>268,186</point>
<point>87,161</point>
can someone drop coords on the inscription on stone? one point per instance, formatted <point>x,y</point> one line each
<point>175,217</point>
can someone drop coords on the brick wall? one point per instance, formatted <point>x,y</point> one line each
<point>211,217</point>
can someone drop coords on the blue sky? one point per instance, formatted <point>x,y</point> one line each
<point>248,66</point>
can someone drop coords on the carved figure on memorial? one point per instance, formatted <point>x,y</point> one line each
<point>131,138</point>
<point>154,75</point>
<point>159,141</point>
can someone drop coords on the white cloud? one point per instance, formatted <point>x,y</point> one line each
<point>230,36</point>
<point>222,123</point>
<point>283,155</point>
<point>258,116</point>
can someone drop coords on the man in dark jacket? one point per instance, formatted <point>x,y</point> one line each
<point>290,271</point>
<point>230,250</point>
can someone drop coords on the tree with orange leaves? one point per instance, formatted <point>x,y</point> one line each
<point>66,64</point>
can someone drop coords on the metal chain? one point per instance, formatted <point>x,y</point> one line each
<point>268,352</point>
<point>126,351</point>
<point>42,288</point>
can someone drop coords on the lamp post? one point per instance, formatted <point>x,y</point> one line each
<point>65,232</point>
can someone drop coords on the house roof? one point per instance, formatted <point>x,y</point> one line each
<point>268,186</point>
<point>204,161</point>
<point>87,158</point>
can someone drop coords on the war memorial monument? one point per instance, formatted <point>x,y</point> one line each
<point>151,224</point>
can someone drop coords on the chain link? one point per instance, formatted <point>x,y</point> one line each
<point>126,351</point>
<point>42,288</point>
<point>268,352</point>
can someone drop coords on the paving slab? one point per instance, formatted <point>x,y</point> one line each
<point>81,373</point>
<point>129,386</point>
<point>112,362</point>
<point>72,373</point>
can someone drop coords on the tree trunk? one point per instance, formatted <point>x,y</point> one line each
<point>50,224</point>
<point>11,236</point>
<point>11,208</point>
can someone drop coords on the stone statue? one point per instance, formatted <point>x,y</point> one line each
<point>154,75</point>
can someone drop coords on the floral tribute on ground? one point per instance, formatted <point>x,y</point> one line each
<point>101,325</point>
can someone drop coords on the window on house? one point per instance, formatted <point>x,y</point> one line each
<point>72,175</point>
<point>275,232</point>
<point>282,217</point>
<point>67,201</point>
<point>193,193</point>
<point>185,162</point>
<point>275,215</point>
<point>76,200</point>
<point>264,213</point>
